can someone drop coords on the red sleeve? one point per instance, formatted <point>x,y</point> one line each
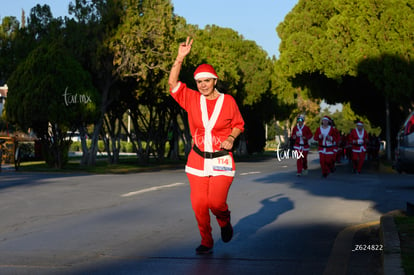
<point>184,95</point>
<point>308,133</point>
<point>317,133</point>
<point>352,136</point>
<point>294,130</point>
<point>336,135</point>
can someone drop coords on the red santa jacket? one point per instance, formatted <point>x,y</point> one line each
<point>301,136</point>
<point>337,138</point>
<point>211,122</point>
<point>326,138</point>
<point>358,140</point>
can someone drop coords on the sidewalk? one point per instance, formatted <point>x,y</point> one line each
<point>388,236</point>
<point>7,167</point>
<point>345,261</point>
<point>392,251</point>
<point>383,234</point>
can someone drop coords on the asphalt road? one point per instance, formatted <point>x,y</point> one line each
<point>143,223</point>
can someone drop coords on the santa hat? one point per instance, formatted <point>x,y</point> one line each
<point>326,118</point>
<point>359,123</point>
<point>205,70</point>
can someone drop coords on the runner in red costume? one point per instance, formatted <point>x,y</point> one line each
<point>359,140</point>
<point>326,137</point>
<point>215,122</point>
<point>337,138</point>
<point>301,135</point>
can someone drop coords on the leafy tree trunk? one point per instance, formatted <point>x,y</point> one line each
<point>99,124</point>
<point>161,134</point>
<point>91,152</point>
<point>84,145</point>
<point>112,143</point>
<point>55,145</point>
<point>137,138</point>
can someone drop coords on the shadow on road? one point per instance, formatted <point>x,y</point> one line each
<point>268,213</point>
<point>13,179</point>
<point>344,184</point>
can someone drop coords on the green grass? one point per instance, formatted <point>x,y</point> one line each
<point>405,225</point>
<point>125,165</point>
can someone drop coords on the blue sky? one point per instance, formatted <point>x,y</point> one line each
<point>255,20</point>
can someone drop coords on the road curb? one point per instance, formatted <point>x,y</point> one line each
<point>338,262</point>
<point>391,256</point>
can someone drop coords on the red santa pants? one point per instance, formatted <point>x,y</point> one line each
<point>302,161</point>
<point>209,193</point>
<point>358,160</point>
<point>326,162</point>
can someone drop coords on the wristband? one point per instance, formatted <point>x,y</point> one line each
<point>232,137</point>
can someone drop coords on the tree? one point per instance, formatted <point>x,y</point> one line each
<point>293,101</point>
<point>142,52</point>
<point>18,40</point>
<point>244,71</point>
<point>40,20</point>
<point>8,31</point>
<point>344,120</point>
<point>50,93</point>
<point>88,35</point>
<point>350,51</point>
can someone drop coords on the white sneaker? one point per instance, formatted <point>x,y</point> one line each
<point>304,172</point>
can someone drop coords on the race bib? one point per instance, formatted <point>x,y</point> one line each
<point>328,143</point>
<point>360,141</point>
<point>224,163</point>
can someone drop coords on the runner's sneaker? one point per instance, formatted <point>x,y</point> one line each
<point>227,233</point>
<point>204,250</point>
<point>305,172</point>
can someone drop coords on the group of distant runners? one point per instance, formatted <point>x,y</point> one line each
<point>333,146</point>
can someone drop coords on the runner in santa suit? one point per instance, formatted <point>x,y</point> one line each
<point>359,140</point>
<point>215,122</point>
<point>326,137</point>
<point>335,144</point>
<point>348,146</point>
<point>301,135</point>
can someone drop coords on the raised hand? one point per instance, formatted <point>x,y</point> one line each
<point>184,48</point>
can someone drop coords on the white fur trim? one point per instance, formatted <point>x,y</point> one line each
<point>325,152</point>
<point>202,173</point>
<point>176,88</point>
<point>204,74</point>
<point>208,126</point>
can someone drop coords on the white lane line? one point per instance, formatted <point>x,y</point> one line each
<point>155,188</point>
<point>249,173</point>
